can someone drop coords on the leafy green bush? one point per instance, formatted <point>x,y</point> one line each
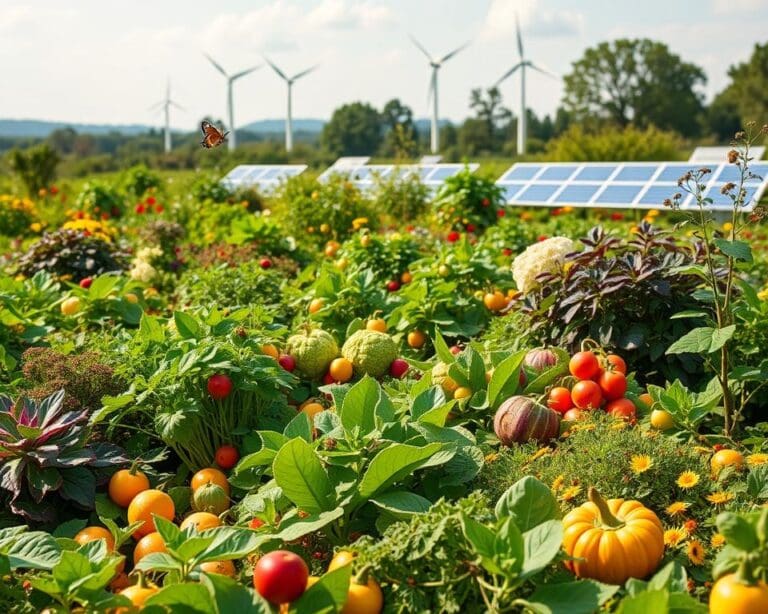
<point>403,198</point>
<point>210,189</point>
<point>35,166</point>
<point>467,201</point>
<point>17,215</point>
<point>96,198</point>
<point>611,144</point>
<point>388,256</point>
<point>138,180</point>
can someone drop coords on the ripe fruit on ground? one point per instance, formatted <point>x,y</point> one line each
<point>416,339</point>
<point>341,558</point>
<point>364,598</point>
<point>377,324</point>
<point>661,419</point>
<point>462,392</point>
<point>370,352</point>
<point>86,282</point>
<point>150,543</point>
<point>131,297</point>
<point>612,540</point>
<point>731,595</point>
<point>223,568</point>
<point>393,285</point>
<point>613,384</point>
<point>586,395</point>
<point>616,363</point>
<point>201,521</point>
<point>726,458</point>
<point>124,486</point>
<point>560,399</point>
<point>219,386</point>
<point>209,475</point>
<point>280,576</point>
<point>398,368</point>
<point>341,370</point>
<point>137,594</point>
<point>265,263</point>
<point>89,534</point>
<point>495,301</point>
<point>287,362</point>
<point>270,350</point>
<point>70,306</point>
<point>227,456</point>
<point>312,409</point>
<point>621,408</point>
<point>584,365</point>
<point>313,349</point>
<point>147,503</point>
<point>316,304</point>
<point>520,419</point>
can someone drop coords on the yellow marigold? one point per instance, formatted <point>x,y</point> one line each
<point>539,453</point>
<point>640,463</point>
<point>727,227</point>
<point>673,536</point>
<point>677,508</point>
<point>763,295</point>
<point>35,226</point>
<point>717,540</point>
<point>759,458</point>
<point>696,552</point>
<point>557,483</point>
<point>688,479</point>
<point>570,493</point>
<point>567,209</point>
<point>489,458</point>
<point>359,222</point>
<point>720,498</point>
<point>526,216</point>
<point>653,212</point>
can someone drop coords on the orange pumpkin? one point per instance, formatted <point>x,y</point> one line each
<point>612,540</point>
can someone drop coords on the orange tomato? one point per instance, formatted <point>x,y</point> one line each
<point>209,475</point>
<point>124,486</point>
<point>270,350</point>
<point>223,568</point>
<point>150,543</point>
<point>89,534</point>
<point>726,458</point>
<point>416,339</point>
<point>406,277</point>
<point>201,521</point>
<point>312,409</point>
<point>616,363</point>
<point>137,594</point>
<point>377,324</point>
<point>341,370</point>
<point>495,301</point>
<point>316,305</point>
<point>364,598</point>
<point>341,558</point>
<point>147,503</point>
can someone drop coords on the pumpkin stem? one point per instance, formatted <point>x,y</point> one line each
<point>606,517</point>
<point>744,573</point>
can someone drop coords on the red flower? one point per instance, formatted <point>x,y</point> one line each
<point>151,201</point>
<point>53,190</point>
<point>501,213</point>
<point>542,238</point>
<point>506,251</point>
<point>616,216</point>
<point>80,215</point>
<point>105,216</point>
<point>159,209</point>
<point>486,202</point>
<point>470,228</point>
<point>453,236</point>
<point>556,212</point>
<point>140,208</point>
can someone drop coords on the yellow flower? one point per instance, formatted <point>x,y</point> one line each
<point>525,216</point>
<point>570,493</point>
<point>35,226</point>
<point>717,540</point>
<point>359,222</point>
<point>672,537</point>
<point>677,508</point>
<point>695,552</point>
<point>653,212</point>
<point>641,463</point>
<point>567,209</point>
<point>763,295</point>
<point>719,498</point>
<point>727,227</point>
<point>759,458</point>
<point>557,483</point>
<point>489,458</point>
<point>539,453</point>
<point>688,479</point>
<point>567,266</point>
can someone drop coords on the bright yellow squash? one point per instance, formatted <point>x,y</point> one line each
<point>616,539</point>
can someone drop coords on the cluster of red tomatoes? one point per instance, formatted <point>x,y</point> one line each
<point>601,381</point>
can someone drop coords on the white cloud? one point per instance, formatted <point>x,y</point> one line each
<point>346,15</point>
<point>534,19</point>
<point>729,7</point>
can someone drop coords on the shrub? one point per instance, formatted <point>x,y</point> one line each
<point>35,166</point>
<point>387,256</point>
<point>468,202</point>
<point>402,197</point>
<point>17,216</point>
<point>139,180</point>
<point>97,198</point>
<point>611,144</point>
<point>210,189</point>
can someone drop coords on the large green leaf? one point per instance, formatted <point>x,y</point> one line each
<point>188,327</point>
<point>34,550</point>
<point>228,595</point>
<point>71,567</point>
<point>358,409</point>
<point>101,286</point>
<point>702,340</point>
<point>738,250</point>
<point>402,504</point>
<point>230,543</point>
<point>541,545</point>
<point>505,379</point>
<point>299,527</point>
<point>301,475</point>
<point>529,502</point>
<point>394,463</point>
<point>580,597</point>
<point>329,594</point>
<point>483,541</point>
<point>642,603</point>
<point>181,599</point>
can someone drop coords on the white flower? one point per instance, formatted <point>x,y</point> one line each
<point>142,271</point>
<point>544,257</point>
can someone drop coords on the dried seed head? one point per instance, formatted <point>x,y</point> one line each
<point>667,203</point>
<point>727,188</point>
<point>740,135</point>
<point>733,156</point>
<point>705,171</point>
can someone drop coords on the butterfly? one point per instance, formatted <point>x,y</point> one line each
<point>212,136</point>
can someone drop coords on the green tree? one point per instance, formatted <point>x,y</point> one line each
<point>747,94</point>
<point>636,81</point>
<point>399,131</point>
<point>353,130</point>
<point>490,111</point>
<point>35,166</point>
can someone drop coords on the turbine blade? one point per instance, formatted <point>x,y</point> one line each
<point>275,68</point>
<point>175,104</point>
<point>449,55</point>
<point>304,72</point>
<point>242,73</point>
<point>519,36</point>
<point>544,71</point>
<point>421,47</point>
<point>509,73</point>
<point>216,65</point>
<point>157,105</point>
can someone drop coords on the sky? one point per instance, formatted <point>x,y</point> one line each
<point>97,61</point>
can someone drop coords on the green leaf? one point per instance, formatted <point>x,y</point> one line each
<point>738,532</point>
<point>158,561</point>
<point>33,550</point>
<point>683,603</point>
<point>150,329</point>
<point>187,326</point>
<point>643,603</point>
<point>301,475</point>
<point>228,595</point>
<point>702,340</point>
<point>70,528</point>
<point>393,464</point>
<point>483,541</point>
<point>358,410</point>
<point>295,527</point>
<point>579,597</point>
<point>402,504</point>
<point>171,534</point>
<point>542,544</point>
<point>230,543</point>
<point>738,250</point>
<point>79,485</point>
<point>71,567</point>
<point>183,599</point>
<point>672,577</point>
<point>442,350</point>
<point>328,594</point>
<point>505,379</point>
<point>427,400</point>
<point>508,548</point>
<point>101,286</point>
<point>300,426</point>
<point>757,482</point>
<point>529,502</point>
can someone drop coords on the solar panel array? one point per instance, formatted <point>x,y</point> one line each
<point>262,176</point>
<point>432,175</point>
<point>344,164</point>
<point>715,155</point>
<point>619,185</point>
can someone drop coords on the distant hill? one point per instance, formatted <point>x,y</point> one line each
<point>273,126</point>
<point>41,128</point>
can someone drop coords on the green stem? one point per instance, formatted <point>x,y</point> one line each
<point>608,520</point>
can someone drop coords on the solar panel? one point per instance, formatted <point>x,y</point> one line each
<point>364,175</point>
<point>344,164</point>
<point>620,185</point>
<point>717,155</point>
<point>262,176</point>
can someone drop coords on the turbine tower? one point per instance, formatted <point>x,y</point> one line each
<point>435,64</point>
<point>166,105</point>
<point>232,141</point>
<point>289,114</point>
<point>522,135</point>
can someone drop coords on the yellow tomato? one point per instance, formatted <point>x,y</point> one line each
<point>70,306</point>
<point>661,419</point>
<point>726,458</point>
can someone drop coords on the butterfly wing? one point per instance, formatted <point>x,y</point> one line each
<point>212,136</point>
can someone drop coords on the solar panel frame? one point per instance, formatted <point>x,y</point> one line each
<point>264,176</point>
<point>525,183</point>
<point>716,155</point>
<point>364,175</point>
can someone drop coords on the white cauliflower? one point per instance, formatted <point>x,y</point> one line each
<point>141,266</point>
<point>543,257</point>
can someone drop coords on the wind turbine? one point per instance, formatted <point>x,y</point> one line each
<point>435,64</point>
<point>232,141</point>
<point>166,105</point>
<point>522,135</point>
<point>289,115</point>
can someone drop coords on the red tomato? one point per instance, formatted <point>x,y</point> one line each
<point>560,399</point>
<point>280,576</point>
<point>613,384</point>
<point>587,395</point>
<point>622,408</point>
<point>584,365</point>
<point>616,363</point>
<point>574,415</point>
<point>255,523</point>
<point>227,456</point>
<point>219,386</point>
